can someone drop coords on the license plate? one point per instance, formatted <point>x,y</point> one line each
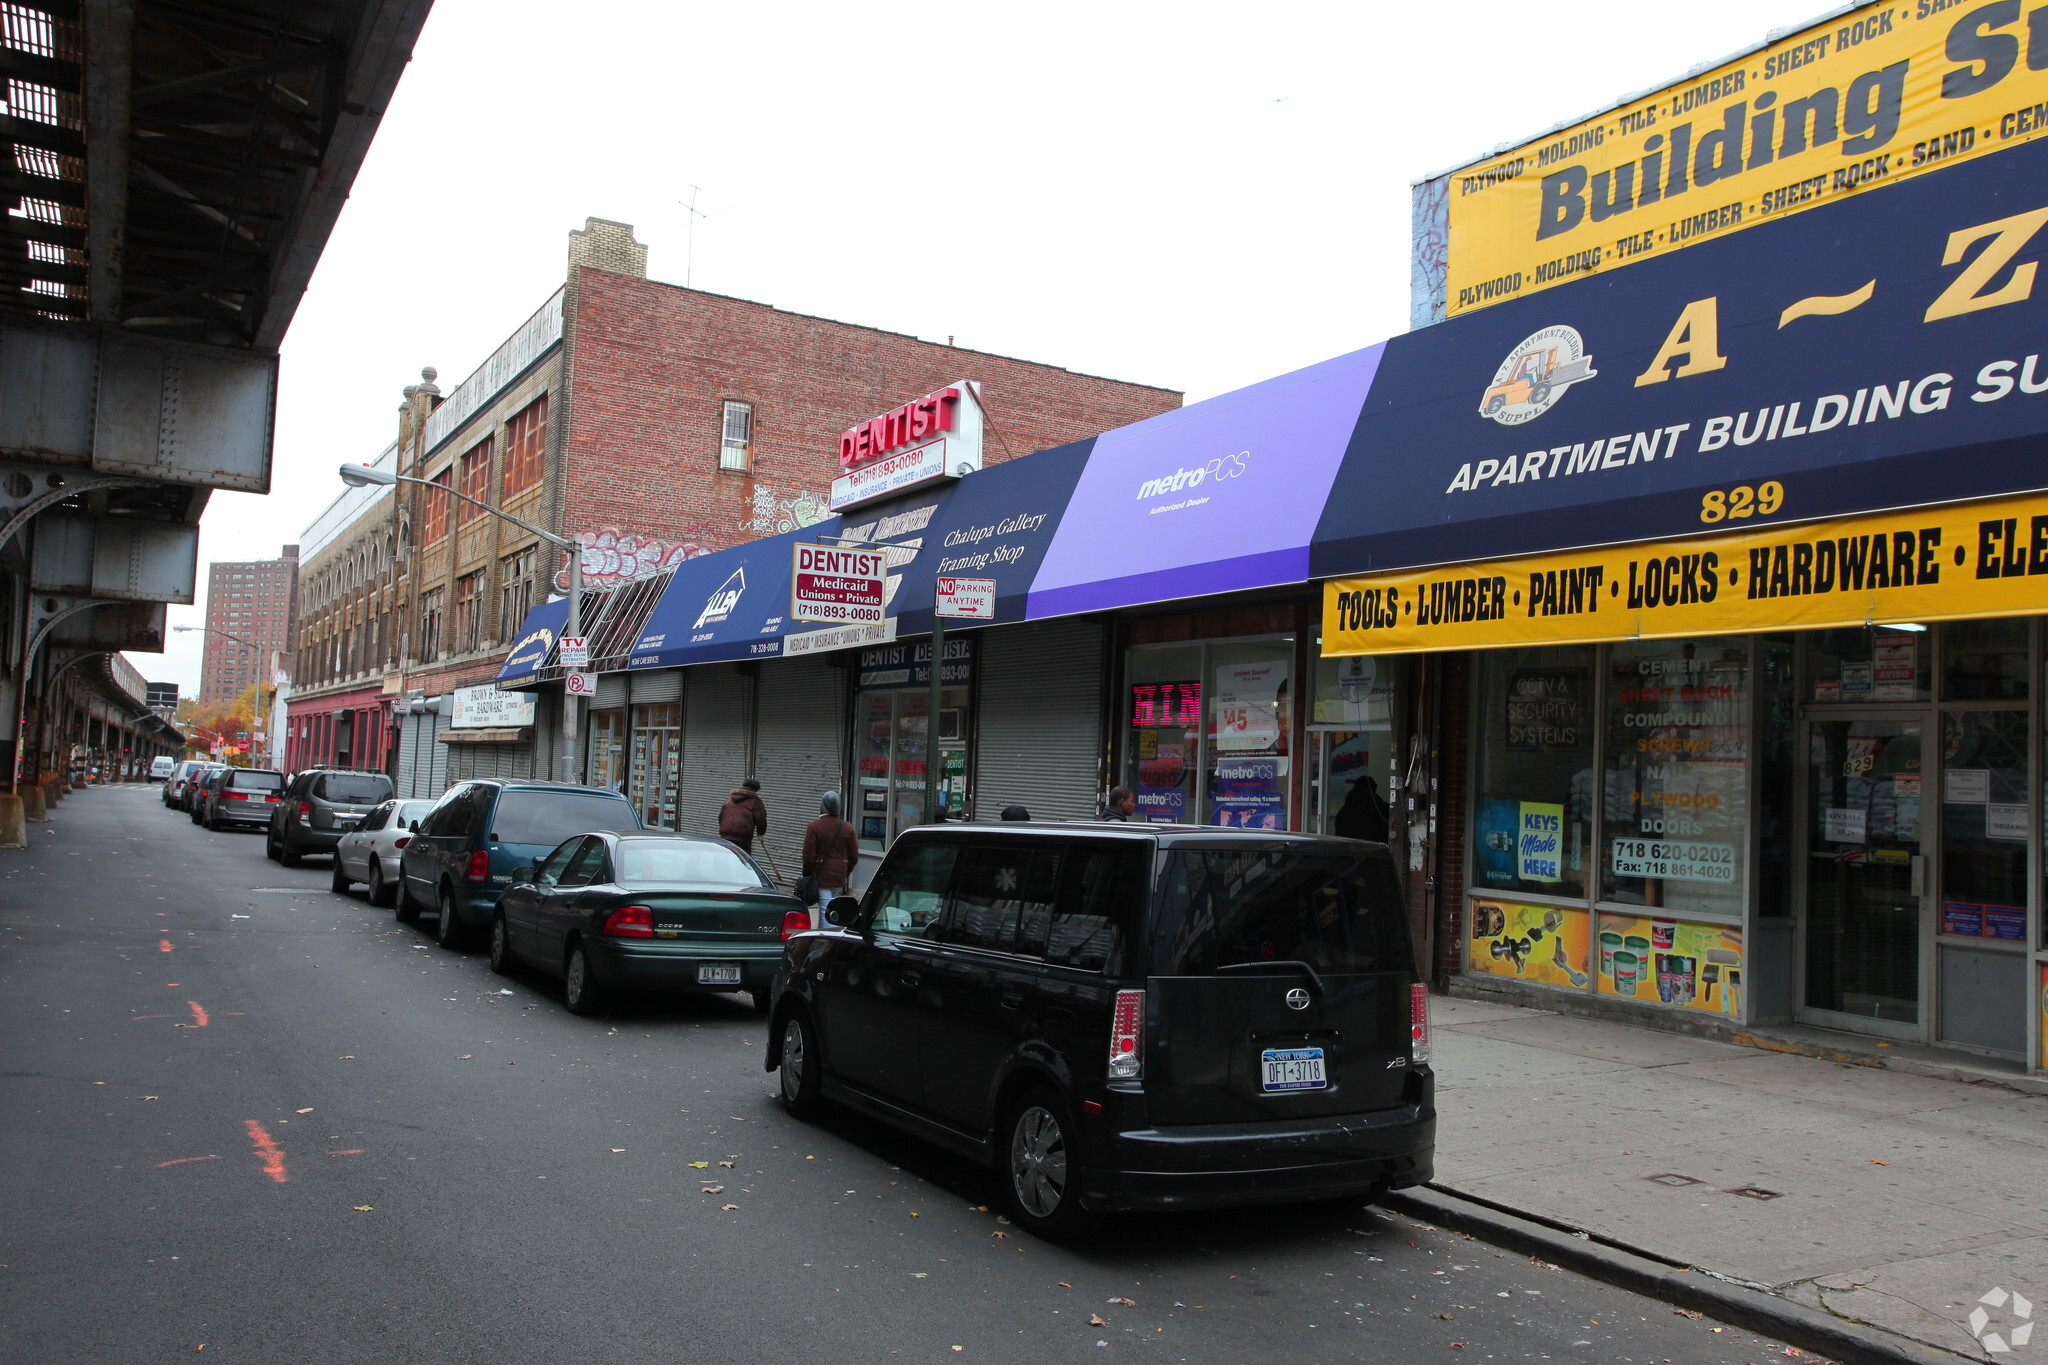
<point>1292,1068</point>
<point>718,973</point>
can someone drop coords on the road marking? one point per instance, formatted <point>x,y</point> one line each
<point>163,945</point>
<point>133,1017</point>
<point>266,1148</point>
<point>200,1018</point>
<point>352,1151</point>
<point>183,1159</point>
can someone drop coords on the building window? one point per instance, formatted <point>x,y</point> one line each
<point>515,590</point>
<point>736,447</point>
<point>468,597</point>
<point>1535,771</point>
<point>526,446</point>
<point>476,481</point>
<point>434,510</point>
<point>430,623</point>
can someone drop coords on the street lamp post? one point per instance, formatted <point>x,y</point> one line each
<point>261,721</point>
<point>364,476</point>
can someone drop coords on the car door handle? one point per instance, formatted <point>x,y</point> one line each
<point>1011,1000</point>
<point>911,978</point>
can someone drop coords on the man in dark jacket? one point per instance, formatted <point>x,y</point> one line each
<point>1122,804</point>
<point>830,852</point>
<point>743,815</point>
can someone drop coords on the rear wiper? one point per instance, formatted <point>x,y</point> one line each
<point>1284,964</point>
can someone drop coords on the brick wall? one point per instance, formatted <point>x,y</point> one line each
<point>652,365</point>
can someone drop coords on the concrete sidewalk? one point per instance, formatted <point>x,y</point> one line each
<point>1893,1199</point>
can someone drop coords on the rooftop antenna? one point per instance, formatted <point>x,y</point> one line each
<point>690,238</point>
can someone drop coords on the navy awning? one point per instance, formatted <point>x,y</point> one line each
<point>536,644</point>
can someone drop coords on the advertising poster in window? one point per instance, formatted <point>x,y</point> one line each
<point>1246,715</point>
<point>1539,846</point>
<point>1247,793</point>
<point>1658,961</point>
<point>1546,944</point>
<point>1546,710</point>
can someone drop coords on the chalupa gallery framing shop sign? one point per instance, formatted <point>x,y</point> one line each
<point>927,439</point>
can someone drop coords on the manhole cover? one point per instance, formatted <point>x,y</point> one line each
<point>1755,1192</point>
<point>1673,1179</point>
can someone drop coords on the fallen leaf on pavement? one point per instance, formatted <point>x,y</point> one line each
<point>1097,1320</point>
<point>363,1208</point>
<point>726,1164</point>
<point>1128,1303</point>
<point>465,1057</point>
<point>1000,1233</point>
<point>712,1189</point>
<point>1688,1313</point>
<point>302,1111</point>
<point>729,1208</point>
<point>1065,1285</point>
<point>616,1150</point>
<point>700,1165</point>
<point>1445,1316</point>
<point>918,1274</point>
<point>1875,1162</point>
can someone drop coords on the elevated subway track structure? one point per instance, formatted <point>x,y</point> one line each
<point>172,172</point>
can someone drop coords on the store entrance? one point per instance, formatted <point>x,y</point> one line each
<point>1865,890</point>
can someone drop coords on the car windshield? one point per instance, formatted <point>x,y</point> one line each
<point>1337,911</point>
<point>258,782</point>
<point>530,817</point>
<point>355,788</point>
<point>409,811</point>
<point>662,862</point>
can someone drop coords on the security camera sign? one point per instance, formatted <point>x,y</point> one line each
<point>838,585</point>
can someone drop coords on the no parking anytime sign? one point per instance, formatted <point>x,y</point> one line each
<point>842,586</point>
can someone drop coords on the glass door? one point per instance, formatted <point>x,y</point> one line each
<point>1866,883</point>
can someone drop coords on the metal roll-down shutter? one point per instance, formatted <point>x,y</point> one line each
<point>1038,736</point>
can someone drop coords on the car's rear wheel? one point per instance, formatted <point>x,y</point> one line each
<point>406,912</point>
<point>379,889</point>
<point>448,929</point>
<point>798,1065</point>
<point>341,881</point>
<point>1041,1168</point>
<point>288,855</point>
<point>270,845</point>
<point>501,946</point>
<point>581,990</point>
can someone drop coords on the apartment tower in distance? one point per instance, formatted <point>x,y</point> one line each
<point>252,611</point>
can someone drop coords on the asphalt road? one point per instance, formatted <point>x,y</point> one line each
<point>247,1118</point>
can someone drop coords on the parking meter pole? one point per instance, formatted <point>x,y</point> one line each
<point>932,761</point>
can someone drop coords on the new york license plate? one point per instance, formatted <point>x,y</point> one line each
<point>718,973</point>
<point>1292,1068</point>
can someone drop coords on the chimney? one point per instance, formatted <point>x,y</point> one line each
<point>605,245</point>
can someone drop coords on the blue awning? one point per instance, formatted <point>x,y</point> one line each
<point>535,647</point>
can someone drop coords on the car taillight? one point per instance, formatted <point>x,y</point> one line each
<point>795,922</point>
<point>305,810</point>
<point>1127,1036</point>
<point>401,841</point>
<point>630,921</point>
<point>479,869</point>
<point>1418,1023</point>
<point>272,798</point>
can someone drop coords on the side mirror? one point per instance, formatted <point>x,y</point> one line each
<point>522,874</point>
<point>414,827</point>
<point>842,911</point>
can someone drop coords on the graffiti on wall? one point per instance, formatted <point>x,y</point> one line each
<point>771,512</point>
<point>612,557</point>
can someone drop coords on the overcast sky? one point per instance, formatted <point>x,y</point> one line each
<point>1192,195</point>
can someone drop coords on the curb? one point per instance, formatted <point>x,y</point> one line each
<point>1838,1339</point>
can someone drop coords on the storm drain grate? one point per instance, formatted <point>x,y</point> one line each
<point>1755,1192</point>
<point>1673,1179</point>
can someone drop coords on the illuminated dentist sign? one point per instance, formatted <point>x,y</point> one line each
<point>934,437</point>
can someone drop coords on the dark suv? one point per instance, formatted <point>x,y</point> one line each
<point>465,850</point>
<point>320,806</point>
<point>1123,1016</point>
<point>239,796</point>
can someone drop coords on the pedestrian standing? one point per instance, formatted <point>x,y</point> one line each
<point>743,815</point>
<point>830,852</point>
<point>1015,813</point>
<point>1122,804</point>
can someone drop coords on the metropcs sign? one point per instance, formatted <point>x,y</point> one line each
<point>934,437</point>
<point>845,587</point>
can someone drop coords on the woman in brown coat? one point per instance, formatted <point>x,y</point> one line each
<point>830,852</point>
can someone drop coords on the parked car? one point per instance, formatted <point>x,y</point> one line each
<point>320,806</point>
<point>240,796</point>
<point>162,766</point>
<point>1123,1016</point>
<point>617,913</point>
<point>188,796</point>
<point>174,785</point>
<point>369,852</point>
<point>202,787</point>
<point>463,853</point>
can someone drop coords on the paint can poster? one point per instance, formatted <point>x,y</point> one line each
<point>1546,944</point>
<point>1660,961</point>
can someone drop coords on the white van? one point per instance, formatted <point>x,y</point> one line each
<point>162,766</point>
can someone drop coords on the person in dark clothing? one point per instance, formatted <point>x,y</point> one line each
<point>1363,814</point>
<point>1122,804</point>
<point>830,852</point>
<point>1015,813</point>
<point>743,815</point>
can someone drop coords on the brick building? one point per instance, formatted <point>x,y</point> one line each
<point>251,615</point>
<point>347,644</point>
<point>655,423</point>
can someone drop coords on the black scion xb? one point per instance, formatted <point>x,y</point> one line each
<point>1123,1016</point>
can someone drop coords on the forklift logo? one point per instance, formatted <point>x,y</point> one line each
<point>1535,375</point>
<point>720,604</point>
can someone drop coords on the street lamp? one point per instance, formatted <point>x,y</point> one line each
<point>261,721</point>
<point>366,476</point>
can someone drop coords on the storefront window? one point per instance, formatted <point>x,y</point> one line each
<point>1535,803</point>
<point>1984,660</point>
<point>1251,715</point>
<point>657,763</point>
<point>1164,719</point>
<point>1677,806</point>
<point>1350,748</point>
<point>1858,664</point>
<point>1984,824</point>
<point>608,748</point>
<point>892,738</point>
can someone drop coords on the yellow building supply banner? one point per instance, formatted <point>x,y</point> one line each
<point>1866,99</point>
<point>1933,563</point>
